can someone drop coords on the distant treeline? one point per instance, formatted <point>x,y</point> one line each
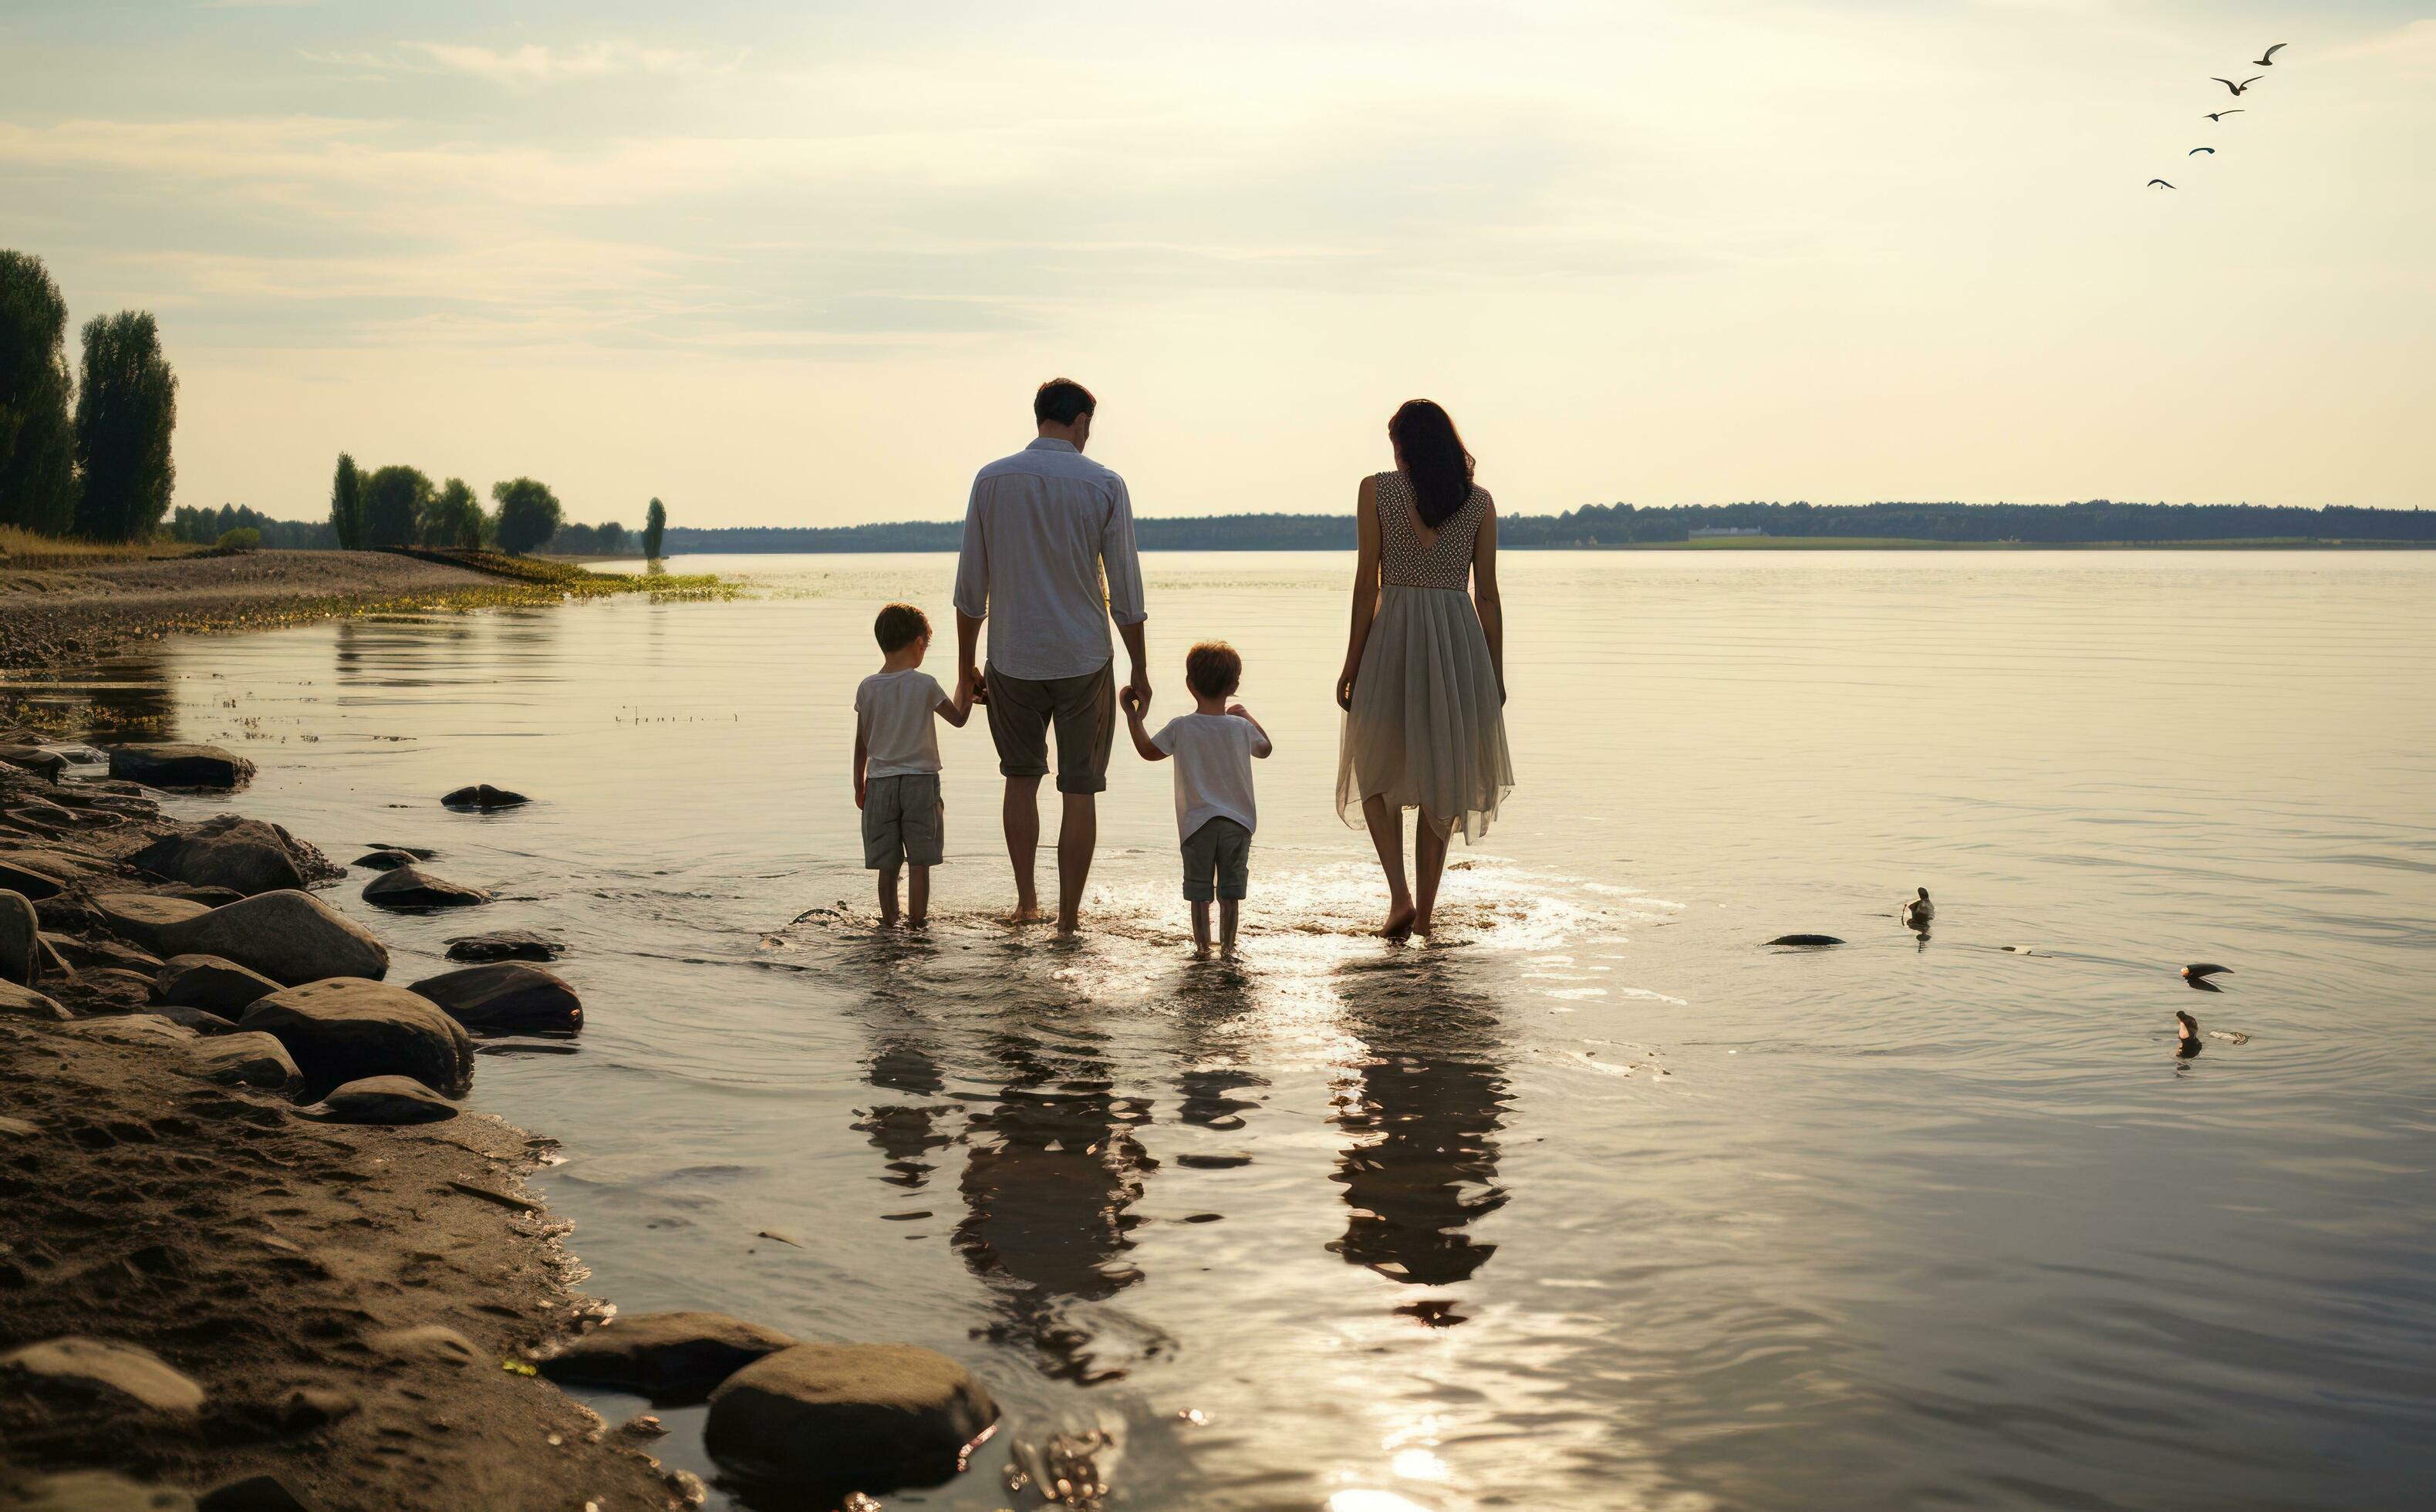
<point>2092,522</point>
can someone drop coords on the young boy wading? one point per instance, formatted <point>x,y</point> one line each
<point>1048,561</point>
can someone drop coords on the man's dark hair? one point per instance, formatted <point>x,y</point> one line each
<point>1062,401</point>
<point>1212,669</point>
<point>899,626</point>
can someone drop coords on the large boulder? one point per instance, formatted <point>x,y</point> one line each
<point>169,765</point>
<point>21,940</point>
<point>669,1357</point>
<point>146,917</point>
<point>211,983</point>
<point>112,989</point>
<point>346,1029</point>
<point>25,1002</point>
<point>382,1100</point>
<point>245,855</point>
<point>251,1058</point>
<point>506,998</point>
<point>483,795</point>
<point>506,945</point>
<point>287,936</point>
<point>411,887</point>
<point>822,1412</point>
<point>102,1366</point>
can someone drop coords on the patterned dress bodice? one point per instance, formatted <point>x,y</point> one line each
<point>1444,562</point>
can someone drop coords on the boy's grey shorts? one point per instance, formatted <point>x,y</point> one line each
<point>1217,862</point>
<point>902,821</point>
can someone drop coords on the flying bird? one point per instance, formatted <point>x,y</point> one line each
<point>2239,88</point>
<point>2219,115</point>
<point>2160,181</point>
<point>2267,60</point>
<point>2197,150</point>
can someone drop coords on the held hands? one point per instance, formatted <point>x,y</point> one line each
<point>1134,701</point>
<point>972,687</point>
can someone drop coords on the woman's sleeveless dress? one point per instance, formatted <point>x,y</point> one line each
<point>1427,728</point>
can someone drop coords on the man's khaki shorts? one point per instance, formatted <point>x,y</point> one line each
<point>902,821</point>
<point>1084,709</point>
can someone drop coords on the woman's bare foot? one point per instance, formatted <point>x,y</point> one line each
<point>1399,923</point>
<point>1026,913</point>
<point>1200,953</point>
<point>1422,925</point>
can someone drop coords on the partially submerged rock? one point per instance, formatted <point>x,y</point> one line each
<point>172,765</point>
<point>348,1028</point>
<point>290,937</point>
<point>669,1357</point>
<point>211,983</point>
<point>382,1100</point>
<point>244,855</point>
<point>829,1412</point>
<point>506,997</point>
<point>384,860</point>
<point>411,887</point>
<point>252,1058</point>
<point>506,945</point>
<point>483,795</point>
<point>104,1364</point>
<point>1812,940</point>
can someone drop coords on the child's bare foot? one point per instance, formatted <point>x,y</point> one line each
<point>1399,923</point>
<point>1026,913</point>
<point>918,921</point>
<point>1200,953</point>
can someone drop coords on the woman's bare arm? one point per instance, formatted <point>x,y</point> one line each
<point>1485,599</point>
<point>1365,587</point>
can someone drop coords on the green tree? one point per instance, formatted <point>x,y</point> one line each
<point>613,536</point>
<point>528,515</point>
<point>127,408</point>
<point>656,523</point>
<point>347,504</point>
<point>395,499</point>
<point>455,519</point>
<point>38,478</point>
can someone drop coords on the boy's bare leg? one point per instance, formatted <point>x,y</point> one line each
<point>1200,931</point>
<point>1429,838</point>
<point>887,896</point>
<point>1227,907</point>
<point>917,898</point>
<point>1078,835</point>
<point>1387,838</point>
<point>1021,819</point>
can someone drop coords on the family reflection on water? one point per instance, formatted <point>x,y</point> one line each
<point>1009,1075</point>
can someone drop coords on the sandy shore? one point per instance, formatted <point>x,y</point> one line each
<point>69,614</point>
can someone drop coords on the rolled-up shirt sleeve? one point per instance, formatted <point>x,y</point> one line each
<point>972,561</point>
<point>1120,562</point>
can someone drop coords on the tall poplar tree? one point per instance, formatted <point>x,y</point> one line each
<point>127,409</point>
<point>38,481</point>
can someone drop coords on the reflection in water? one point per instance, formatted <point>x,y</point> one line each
<point>127,697</point>
<point>1422,1116</point>
<point>1214,1006</point>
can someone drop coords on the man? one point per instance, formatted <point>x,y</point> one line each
<point>1049,560</point>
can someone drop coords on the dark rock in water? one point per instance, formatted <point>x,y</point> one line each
<point>1805,939</point>
<point>525,1046</point>
<point>289,937</point>
<point>255,1493</point>
<point>213,984</point>
<point>243,855</point>
<point>483,795</point>
<point>202,1021</point>
<point>111,987</point>
<point>669,1357</point>
<point>69,953</point>
<point>411,887</point>
<point>25,1002</point>
<point>252,1058</point>
<point>178,766</point>
<point>506,997</point>
<point>21,940</point>
<point>505,944</point>
<point>33,759</point>
<point>385,861</point>
<point>87,1491</point>
<point>827,1412</point>
<point>103,1366</point>
<point>347,1029</point>
<point>382,1100</point>
<point>418,852</point>
<point>146,917</point>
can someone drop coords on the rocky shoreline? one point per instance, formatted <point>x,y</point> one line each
<point>254,1254</point>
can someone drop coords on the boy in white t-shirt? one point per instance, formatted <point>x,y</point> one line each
<point>896,761</point>
<point>1213,747</point>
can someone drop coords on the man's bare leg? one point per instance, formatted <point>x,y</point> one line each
<point>1078,835</point>
<point>1022,818</point>
<point>918,897</point>
<point>1227,907</point>
<point>887,897</point>
<point>1200,931</point>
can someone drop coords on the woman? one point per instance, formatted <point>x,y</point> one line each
<point>1423,687</point>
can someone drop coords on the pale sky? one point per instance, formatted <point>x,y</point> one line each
<point>798,264</point>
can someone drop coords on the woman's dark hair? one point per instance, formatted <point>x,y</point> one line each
<point>1433,459</point>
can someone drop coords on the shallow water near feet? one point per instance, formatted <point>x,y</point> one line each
<point>1591,1201</point>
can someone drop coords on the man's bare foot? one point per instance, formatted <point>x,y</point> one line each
<point>888,921</point>
<point>1399,923</point>
<point>1422,925</point>
<point>1026,913</point>
<point>1200,953</point>
<point>919,921</point>
<point>1067,925</point>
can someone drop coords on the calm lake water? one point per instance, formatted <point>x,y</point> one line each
<point>1595,1202</point>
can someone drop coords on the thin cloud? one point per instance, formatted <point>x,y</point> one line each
<point>531,64</point>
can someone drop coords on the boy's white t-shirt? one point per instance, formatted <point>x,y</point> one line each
<point>900,738</point>
<point>1213,768</point>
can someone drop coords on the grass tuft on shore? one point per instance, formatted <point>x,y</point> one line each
<point>24,550</point>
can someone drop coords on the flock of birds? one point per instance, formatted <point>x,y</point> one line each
<point>2240,90</point>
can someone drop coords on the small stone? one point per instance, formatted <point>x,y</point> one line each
<point>87,1491</point>
<point>170,765</point>
<point>505,944</point>
<point>411,887</point>
<point>483,795</point>
<point>827,1411</point>
<point>431,1341</point>
<point>384,860</point>
<point>381,1100</point>
<point>669,1357</point>
<point>251,1058</point>
<point>310,1407</point>
<point>99,1362</point>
